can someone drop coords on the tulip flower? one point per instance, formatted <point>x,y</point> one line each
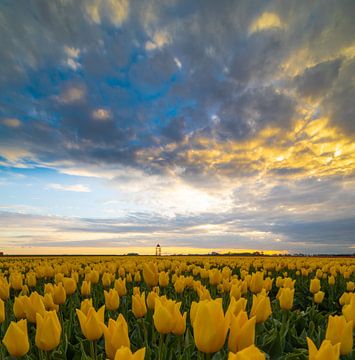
<point>235,291</point>
<point>261,308</point>
<point>15,280</point>
<point>327,351</point>
<point>249,353</point>
<point>31,279</point>
<point>69,286</point>
<point>49,303</point>
<point>2,311</point>
<point>331,280</point>
<point>19,307</point>
<point>49,288</point>
<point>59,294</point>
<point>242,332</point>
<point>33,304</point>
<point>120,286</point>
<point>106,280</point>
<point>235,307</point>
<point>139,307</point>
<point>163,279</point>
<point>124,353</point>
<point>314,286</point>
<point>112,300</point>
<point>215,276</point>
<point>318,297</point>
<point>150,274</point>
<point>4,289</point>
<point>340,331</point>
<point>179,285</point>
<point>286,298</point>
<point>48,331</point>
<point>90,323</point>
<point>168,318</point>
<point>86,305</point>
<point>256,282</point>
<point>16,338</point>
<point>85,288</point>
<point>116,335</point>
<point>151,299</point>
<point>349,310</point>
<point>210,325</point>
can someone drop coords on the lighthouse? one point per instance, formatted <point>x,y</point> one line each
<point>158,250</point>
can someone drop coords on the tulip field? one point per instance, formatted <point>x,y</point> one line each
<point>177,308</point>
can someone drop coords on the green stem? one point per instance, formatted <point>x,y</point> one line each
<point>93,349</point>
<point>161,342</point>
<point>208,356</point>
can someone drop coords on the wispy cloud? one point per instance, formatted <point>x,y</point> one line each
<point>75,188</point>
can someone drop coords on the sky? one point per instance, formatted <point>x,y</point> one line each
<point>200,125</point>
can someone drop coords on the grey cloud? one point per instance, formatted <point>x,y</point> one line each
<point>318,80</point>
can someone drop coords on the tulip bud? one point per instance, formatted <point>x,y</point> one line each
<point>139,307</point>
<point>327,351</point>
<point>4,289</point>
<point>318,297</point>
<point>124,353</point>
<point>116,335</point>
<point>120,286</point>
<point>209,322</point>
<point>242,332</point>
<point>349,310</point>
<point>59,295</point>
<point>150,274</point>
<point>16,338</point>
<point>85,288</point>
<point>19,307</point>
<point>286,298</point>
<point>90,323</point>
<point>256,282</point>
<point>112,300</point>
<point>249,353</point>
<point>340,331</point>
<point>2,311</point>
<point>314,286</point>
<point>163,279</point>
<point>69,286</point>
<point>48,331</point>
<point>261,308</point>
<point>331,280</point>
<point>86,305</point>
<point>33,304</point>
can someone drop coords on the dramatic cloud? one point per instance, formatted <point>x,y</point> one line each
<point>180,111</point>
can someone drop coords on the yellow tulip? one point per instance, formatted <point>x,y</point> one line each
<point>69,286</point>
<point>314,286</point>
<point>340,331</point>
<point>261,308</point>
<point>151,299</point>
<point>235,291</point>
<point>331,280</point>
<point>349,310</point>
<point>85,288</point>
<point>163,279</point>
<point>318,297</point>
<point>150,274</point>
<point>235,307</point>
<point>33,304</point>
<point>124,353</point>
<point>49,288</point>
<point>16,338</point>
<point>90,323</point>
<point>4,289</point>
<point>112,300</point>
<point>106,280</point>
<point>116,335</point>
<point>256,282</point>
<point>49,303</point>
<point>215,276</point>
<point>350,286</point>
<point>31,279</point>
<point>48,331</point>
<point>179,285</point>
<point>59,294</point>
<point>2,311</point>
<point>15,280</point>
<point>327,351</point>
<point>242,332</point>
<point>168,318</point>
<point>286,298</point>
<point>86,305</point>
<point>19,307</point>
<point>139,307</point>
<point>249,353</point>
<point>120,286</point>
<point>210,325</point>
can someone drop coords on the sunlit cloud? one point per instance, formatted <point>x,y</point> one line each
<point>75,188</point>
<point>265,21</point>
